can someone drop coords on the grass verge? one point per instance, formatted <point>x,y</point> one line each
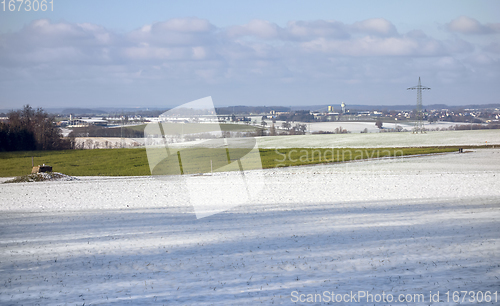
<point>78,162</point>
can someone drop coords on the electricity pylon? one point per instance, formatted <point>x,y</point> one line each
<point>419,125</point>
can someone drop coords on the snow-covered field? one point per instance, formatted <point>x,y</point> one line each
<point>393,226</point>
<point>108,142</point>
<point>353,140</point>
<point>358,126</point>
<point>381,140</point>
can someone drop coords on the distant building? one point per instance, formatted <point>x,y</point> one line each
<point>343,107</point>
<point>330,109</point>
<point>87,122</point>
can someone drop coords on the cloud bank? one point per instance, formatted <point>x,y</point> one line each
<point>194,52</point>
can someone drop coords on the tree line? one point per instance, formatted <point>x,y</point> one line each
<point>301,116</point>
<point>98,131</point>
<point>29,129</point>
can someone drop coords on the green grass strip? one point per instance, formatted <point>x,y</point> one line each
<point>102,162</point>
<point>130,162</point>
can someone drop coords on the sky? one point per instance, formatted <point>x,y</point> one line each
<point>286,53</point>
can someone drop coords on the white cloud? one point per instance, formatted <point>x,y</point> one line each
<point>46,28</point>
<point>185,25</point>
<point>187,32</point>
<point>258,28</point>
<point>307,30</point>
<point>376,46</point>
<point>197,39</point>
<point>467,25</point>
<point>42,32</point>
<point>259,52</point>
<point>375,26</point>
<point>199,53</point>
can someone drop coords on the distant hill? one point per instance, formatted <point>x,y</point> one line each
<point>394,107</point>
<point>82,111</point>
<point>108,111</point>
<point>241,109</point>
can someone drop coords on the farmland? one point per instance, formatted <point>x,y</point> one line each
<point>399,226</point>
<point>134,162</point>
<point>332,215</point>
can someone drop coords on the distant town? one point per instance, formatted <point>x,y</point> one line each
<point>111,128</point>
<point>483,114</point>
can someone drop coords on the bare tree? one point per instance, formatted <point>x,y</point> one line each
<point>89,143</point>
<point>30,129</point>
<point>272,130</point>
<point>286,125</point>
<point>340,130</point>
<point>300,128</point>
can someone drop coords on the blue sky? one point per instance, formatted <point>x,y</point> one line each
<point>166,53</point>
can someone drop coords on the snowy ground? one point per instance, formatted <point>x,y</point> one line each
<point>353,140</point>
<point>108,142</point>
<point>399,226</point>
<point>381,140</point>
<point>358,126</point>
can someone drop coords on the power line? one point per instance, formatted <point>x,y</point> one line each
<point>419,125</point>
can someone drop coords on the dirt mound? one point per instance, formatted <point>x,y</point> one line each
<point>40,177</point>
